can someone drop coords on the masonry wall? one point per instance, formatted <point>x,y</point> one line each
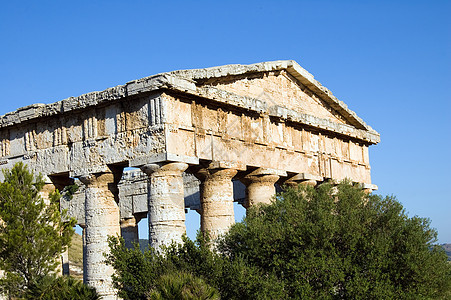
<point>204,130</point>
<point>85,141</point>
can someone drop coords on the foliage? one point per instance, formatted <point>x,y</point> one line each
<point>70,190</point>
<point>60,288</point>
<point>136,272</point>
<point>32,234</point>
<point>183,286</point>
<point>139,274</point>
<point>324,243</point>
<point>339,243</point>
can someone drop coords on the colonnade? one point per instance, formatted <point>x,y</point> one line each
<point>166,208</point>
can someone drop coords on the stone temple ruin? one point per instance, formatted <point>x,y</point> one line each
<point>202,139</point>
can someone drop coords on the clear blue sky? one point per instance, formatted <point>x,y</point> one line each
<point>389,61</point>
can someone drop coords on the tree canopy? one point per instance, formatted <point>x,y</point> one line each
<point>32,233</point>
<point>329,242</point>
<point>339,243</point>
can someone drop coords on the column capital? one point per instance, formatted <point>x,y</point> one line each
<point>176,167</point>
<point>267,171</point>
<point>216,173</point>
<point>97,179</point>
<point>304,179</point>
<point>113,175</point>
<point>61,182</point>
<point>260,186</point>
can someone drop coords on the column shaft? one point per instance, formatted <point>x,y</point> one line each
<point>65,262</point>
<point>102,220</point>
<point>85,263</point>
<point>166,212</point>
<point>129,231</point>
<point>217,201</point>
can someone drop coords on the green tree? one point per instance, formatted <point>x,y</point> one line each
<point>311,243</point>
<point>51,287</point>
<point>183,286</point>
<point>32,233</point>
<point>339,243</point>
<point>151,274</point>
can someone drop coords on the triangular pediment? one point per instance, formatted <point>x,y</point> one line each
<point>279,83</point>
<point>278,88</point>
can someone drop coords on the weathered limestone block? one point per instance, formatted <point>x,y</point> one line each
<point>191,191</point>
<point>217,213</point>
<point>75,203</point>
<point>166,213</point>
<point>102,220</point>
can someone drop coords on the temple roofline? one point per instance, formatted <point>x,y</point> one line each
<point>185,81</point>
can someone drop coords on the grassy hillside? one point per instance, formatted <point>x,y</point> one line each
<point>76,256</point>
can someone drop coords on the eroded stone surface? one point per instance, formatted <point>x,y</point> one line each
<point>260,186</point>
<point>166,210</point>
<point>217,213</point>
<point>101,221</point>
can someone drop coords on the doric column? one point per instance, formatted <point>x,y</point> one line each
<point>83,236</point>
<point>260,186</point>
<point>65,262</point>
<point>216,200</point>
<point>101,220</point>
<point>129,231</point>
<point>166,213</point>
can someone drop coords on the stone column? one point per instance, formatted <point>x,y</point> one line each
<point>65,262</point>
<point>166,203</point>
<point>83,236</point>
<point>260,186</point>
<point>101,220</point>
<point>129,231</point>
<point>216,200</point>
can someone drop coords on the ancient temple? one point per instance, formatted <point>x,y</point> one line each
<point>192,135</point>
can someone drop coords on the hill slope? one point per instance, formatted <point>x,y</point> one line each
<point>76,256</point>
